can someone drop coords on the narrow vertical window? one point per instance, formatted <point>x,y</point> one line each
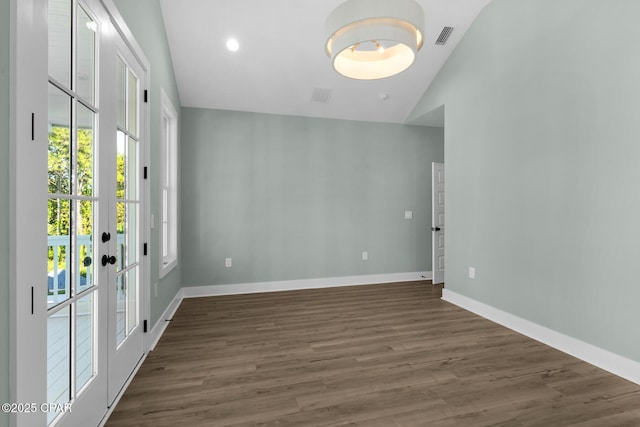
<point>168,186</point>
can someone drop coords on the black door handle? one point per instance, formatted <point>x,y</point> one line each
<point>106,259</point>
<point>106,237</point>
<point>435,228</point>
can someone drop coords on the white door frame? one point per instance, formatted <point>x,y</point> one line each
<point>28,98</point>
<point>28,194</point>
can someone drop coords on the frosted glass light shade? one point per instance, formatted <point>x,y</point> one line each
<point>374,39</point>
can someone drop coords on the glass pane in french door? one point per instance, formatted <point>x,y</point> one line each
<point>85,119</point>
<point>59,358</point>
<point>84,256</point>
<point>132,104</point>
<point>59,158</point>
<point>85,49</point>
<point>121,314</point>
<point>121,94</point>
<point>85,337</point>
<point>59,251</point>
<point>60,12</point>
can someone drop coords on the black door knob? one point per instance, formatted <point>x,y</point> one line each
<point>106,237</point>
<point>435,228</point>
<point>106,259</point>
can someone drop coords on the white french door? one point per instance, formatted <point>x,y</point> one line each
<point>126,340</point>
<point>78,332</point>
<point>74,213</point>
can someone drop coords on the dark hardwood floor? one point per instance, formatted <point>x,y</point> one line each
<point>380,355</point>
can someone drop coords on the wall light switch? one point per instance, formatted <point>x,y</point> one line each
<point>365,256</point>
<point>227,262</point>
<point>408,214</point>
<point>472,273</point>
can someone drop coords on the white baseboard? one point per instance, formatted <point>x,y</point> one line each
<point>162,323</point>
<point>611,362</point>
<point>293,285</point>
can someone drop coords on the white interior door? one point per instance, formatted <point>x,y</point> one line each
<point>437,222</point>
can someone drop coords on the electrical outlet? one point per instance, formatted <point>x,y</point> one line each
<point>408,214</point>
<point>365,256</point>
<point>227,262</point>
<point>472,273</point>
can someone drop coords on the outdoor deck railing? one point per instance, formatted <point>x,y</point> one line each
<point>58,279</point>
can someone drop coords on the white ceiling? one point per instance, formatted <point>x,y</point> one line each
<point>281,59</point>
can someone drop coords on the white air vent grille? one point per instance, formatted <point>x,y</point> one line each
<point>321,95</point>
<point>444,35</point>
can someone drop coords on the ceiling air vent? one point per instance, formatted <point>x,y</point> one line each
<point>321,95</point>
<point>444,35</point>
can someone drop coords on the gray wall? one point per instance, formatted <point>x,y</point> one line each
<point>4,207</point>
<point>296,198</point>
<point>144,19</point>
<point>542,145</point>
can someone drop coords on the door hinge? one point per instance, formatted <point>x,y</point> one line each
<point>33,126</point>
<point>146,96</point>
<point>144,326</point>
<point>144,172</point>
<point>144,249</point>
<point>32,300</point>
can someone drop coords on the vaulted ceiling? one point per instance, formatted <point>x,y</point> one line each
<point>281,61</point>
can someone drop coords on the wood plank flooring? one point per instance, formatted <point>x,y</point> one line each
<point>380,355</point>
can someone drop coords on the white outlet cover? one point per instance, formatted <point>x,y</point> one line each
<point>408,214</point>
<point>227,262</point>
<point>365,256</point>
<point>472,273</point>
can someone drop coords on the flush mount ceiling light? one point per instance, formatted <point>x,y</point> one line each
<point>374,39</point>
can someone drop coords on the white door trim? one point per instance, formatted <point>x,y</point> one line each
<point>28,98</point>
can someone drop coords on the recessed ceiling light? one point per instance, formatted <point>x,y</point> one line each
<point>233,45</point>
